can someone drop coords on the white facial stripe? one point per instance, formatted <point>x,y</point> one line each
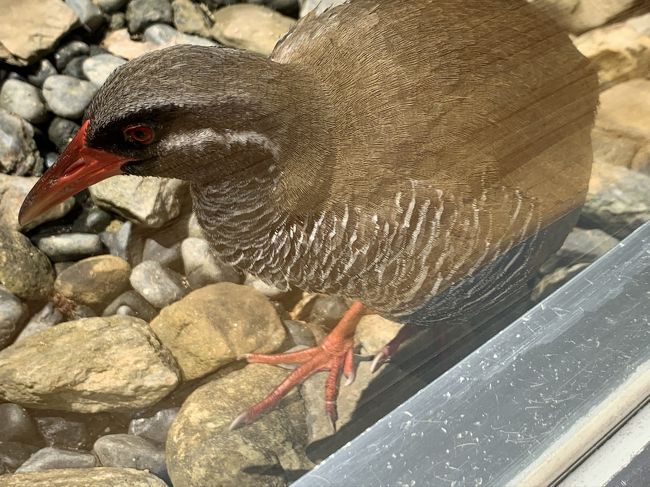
<point>200,138</point>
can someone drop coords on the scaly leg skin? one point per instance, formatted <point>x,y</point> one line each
<point>335,355</point>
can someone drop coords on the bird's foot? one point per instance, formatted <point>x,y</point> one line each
<point>334,355</point>
<point>385,354</point>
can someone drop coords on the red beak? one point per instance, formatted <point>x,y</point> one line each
<point>77,168</point>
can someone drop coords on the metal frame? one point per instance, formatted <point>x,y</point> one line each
<point>528,405</point>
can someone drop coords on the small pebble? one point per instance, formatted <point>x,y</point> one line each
<point>110,5</point>
<point>98,68</point>
<point>163,34</point>
<point>61,131</point>
<point>64,433</point>
<point>202,267</point>
<point>130,451</point>
<point>157,284</point>
<point>45,318</point>
<point>44,70</point>
<point>49,458</point>
<point>120,243</point>
<point>167,256</point>
<point>131,300</point>
<point>327,311</point>
<point>155,427</point>
<point>75,67</point>
<point>12,314</point>
<point>142,13</point>
<point>68,51</point>
<point>117,21</point>
<point>17,425</point>
<point>24,100</point>
<point>93,220</point>
<point>70,246</point>
<point>89,14</point>
<point>18,152</point>
<point>67,96</point>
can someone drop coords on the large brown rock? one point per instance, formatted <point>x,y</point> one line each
<point>88,366</point>
<point>29,29</point>
<point>83,477</point>
<point>95,281</point>
<point>251,27</point>
<point>620,51</point>
<point>622,132</point>
<point>215,325</point>
<point>24,270</point>
<point>201,451</point>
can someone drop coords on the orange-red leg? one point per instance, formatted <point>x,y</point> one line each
<point>335,355</point>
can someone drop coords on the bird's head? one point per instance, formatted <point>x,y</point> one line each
<point>187,112</point>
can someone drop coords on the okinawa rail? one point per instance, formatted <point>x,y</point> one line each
<point>420,158</point>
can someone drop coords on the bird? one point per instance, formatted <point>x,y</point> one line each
<point>420,159</point>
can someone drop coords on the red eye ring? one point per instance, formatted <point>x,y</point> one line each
<point>141,133</point>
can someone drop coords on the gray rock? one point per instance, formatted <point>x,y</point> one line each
<point>167,256</point>
<point>75,67</point>
<point>70,246</point>
<point>216,325</point>
<point>98,68</point>
<point>16,425</point>
<point>191,18</point>
<point>202,451</point>
<point>13,313</point>
<point>13,190</point>
<point>89,14</point>
<point>117,21</point>
<point>618,201</point>
<point>94,282</point>
<point>110,5</point>
<point>18,152</point>
<point>24,100</point>
<point>61,131</point>
<point>122,243</point>
<point>202,267</point>
<point>64,433</point>
<point>44,70</point>
<point>12,456</point>
<point>157,284</point>
<point>327,311</point>
<point>154,428</point>
<point>140,307</point>
<point>24,270</point>
<point>142,13</point>
<point>166,35</point>
<point>87,477</point>
<point>66,96</point>
<point>117,364</point>
<point>45,318</point>
<point>69,51</point>
<point>93,220</point>
<point>150,202</point>
<point>49,458</point>
<point>31,28</point>
<point>300,334</point>
<point>131,452</point>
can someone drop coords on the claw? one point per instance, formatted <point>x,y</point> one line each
<point>240,421</point>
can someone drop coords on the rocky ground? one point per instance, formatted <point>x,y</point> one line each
<point>120,332</point>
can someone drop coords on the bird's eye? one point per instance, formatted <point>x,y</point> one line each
<point>142,134</point>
